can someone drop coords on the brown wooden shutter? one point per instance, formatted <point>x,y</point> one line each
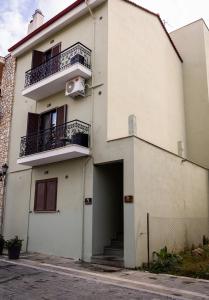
<point>32,133</point>
<point>56,60</point>
<point>56,49</point>
<point>60,131</point>
<point>33,123</point>
<point>51,195</point>
<point>61,115</point>
<point>37,58</point>
<point>40,195</point>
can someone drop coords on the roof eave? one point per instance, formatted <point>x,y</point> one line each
<point>65,17</point>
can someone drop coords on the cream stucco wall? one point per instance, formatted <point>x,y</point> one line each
<point>157,102</point>
<point>64,232</point>
<point>144,78</point>
<point>67,230</point>
<point>193,44</point>
<point>175,194</point>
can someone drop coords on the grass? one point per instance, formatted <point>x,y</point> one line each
<point>189,265</point>
<point>193,266</point>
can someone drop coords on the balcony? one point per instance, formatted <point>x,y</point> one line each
<point>50,77</point>
<point>67,141</point>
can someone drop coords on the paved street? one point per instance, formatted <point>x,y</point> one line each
<point>17,282</point>
<point>38,280</point>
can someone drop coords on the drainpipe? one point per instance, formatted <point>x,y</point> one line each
<point>91,141</point>
<point>83,207</point>
<point>3,203</point>
<point>89,8</point>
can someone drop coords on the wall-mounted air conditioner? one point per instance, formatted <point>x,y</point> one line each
<point>75,87</point>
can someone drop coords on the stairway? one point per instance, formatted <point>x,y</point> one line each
<point>113,254</point>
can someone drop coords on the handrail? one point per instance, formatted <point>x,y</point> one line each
<point>73,132</point>
<point>78,53</point>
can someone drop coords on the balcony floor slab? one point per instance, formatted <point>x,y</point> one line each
<point>56,82</point>
<point>55,155</point>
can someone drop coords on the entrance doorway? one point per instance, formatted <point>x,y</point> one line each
<point>108,213</point>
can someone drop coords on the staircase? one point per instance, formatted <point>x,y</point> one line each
<point>113,254</point>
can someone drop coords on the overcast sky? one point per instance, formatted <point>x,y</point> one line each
<point>15,14</point>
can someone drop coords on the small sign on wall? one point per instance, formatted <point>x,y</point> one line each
<point>129,199</point>
<point>88,201</point>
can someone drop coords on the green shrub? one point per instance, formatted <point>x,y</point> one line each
<point>163,261</point>
<point>15,242</point>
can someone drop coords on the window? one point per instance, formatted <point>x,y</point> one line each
<point>46,195</point>
<point>39,57</point>
<point>42,133</point>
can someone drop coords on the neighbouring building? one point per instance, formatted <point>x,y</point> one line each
<point>103,140</point>
<point>7,73</point>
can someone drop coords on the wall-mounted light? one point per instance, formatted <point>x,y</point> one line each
<point>3,171</point>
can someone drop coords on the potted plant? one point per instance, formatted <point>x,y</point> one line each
<point>2,242</point>
<point>14,247</point>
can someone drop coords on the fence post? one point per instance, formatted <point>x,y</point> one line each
<point>148,241</point>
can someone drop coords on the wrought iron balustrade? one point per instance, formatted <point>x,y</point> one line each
<point>78,53</point>
<point>74,132</point>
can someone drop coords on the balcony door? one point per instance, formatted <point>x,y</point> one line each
<point>45,63</point>
<point>46,131</point>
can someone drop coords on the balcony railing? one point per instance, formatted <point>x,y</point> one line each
<point>70,56</point>
<point>71,133</point>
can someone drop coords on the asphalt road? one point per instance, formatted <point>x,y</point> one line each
<point>26,283</point>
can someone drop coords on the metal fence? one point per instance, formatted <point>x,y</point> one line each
<point>78,53</point>
<point>74,132</point>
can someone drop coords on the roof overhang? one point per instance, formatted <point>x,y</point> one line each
<point>73,12</point>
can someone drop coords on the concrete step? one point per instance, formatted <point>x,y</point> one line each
<point>116,244</point>
<point>113,251</point>
<point>108,260</point>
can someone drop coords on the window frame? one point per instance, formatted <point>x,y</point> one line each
<point>45,181</point>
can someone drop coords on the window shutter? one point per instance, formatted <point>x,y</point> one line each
<point>51,195</point>
<point>32,133</point>
<point>37,58</point>
<point>61,115</point>
<point>32,124</point>
<point>61,119</point>
<point>40,196</point>
<point>56,60</point>
<point>56,49</point>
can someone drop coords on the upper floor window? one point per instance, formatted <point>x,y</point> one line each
<point>39,57</point>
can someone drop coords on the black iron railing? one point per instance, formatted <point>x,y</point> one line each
<point>78,53</point>
<point>74,132</point>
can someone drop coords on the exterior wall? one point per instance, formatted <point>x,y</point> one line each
<point>6,106</point>
<point>157,103</point>
<point>74,220</point>
<point>193,44</point>
<point>171,189</point>
<point>60,233</point>
<point>144,78</point>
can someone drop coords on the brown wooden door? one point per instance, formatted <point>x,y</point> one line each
<point>61,126</point>
<point>32,133</point>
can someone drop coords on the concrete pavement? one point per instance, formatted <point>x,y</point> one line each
<point>48,277</point>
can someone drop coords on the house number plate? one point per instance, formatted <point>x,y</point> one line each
<point>129,199</point>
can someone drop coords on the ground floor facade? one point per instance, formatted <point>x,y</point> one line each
<point>103,202</point>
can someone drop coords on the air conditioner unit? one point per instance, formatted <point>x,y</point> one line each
<point>75,87</point>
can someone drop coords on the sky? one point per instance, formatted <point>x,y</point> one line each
<point>16,14</point>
